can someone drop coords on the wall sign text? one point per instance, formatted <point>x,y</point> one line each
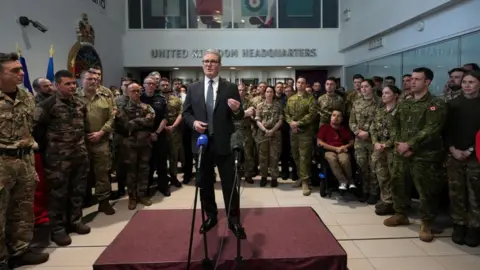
<point>234,53</point>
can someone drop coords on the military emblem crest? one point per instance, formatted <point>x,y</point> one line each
<point>85,31</point>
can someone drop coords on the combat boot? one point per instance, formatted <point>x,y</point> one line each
<point>263,182</point>
<point>384,209</point>
<point>396,220</point>
<point>106,208</point>
<point>458,235</point>
<point>132,204</point>
<point>79,228</point>
<point>61,238</point>
<point>372,199</point>
<point>472,239</point>
<point>29,257</point>
<point>145,201</point>
<point>425,233</point>
<point>305,188</point>
<point>274,182</point>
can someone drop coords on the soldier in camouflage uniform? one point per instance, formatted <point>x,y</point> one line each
<point>361,118</point>
<point>353,95</point>
<point>100,115</point>
<point>135,121</point>
<point>454,84</point>
<point>43,89</point>
<point>172,130</point>
<point>406,88</point>
<point>59,123</point>
<point>382,156</point>
<point>417,133</point>
<point>329,102</point>
<point>269,118</point>
<point>300,113</point>
<point>118,156</point>
<point>245,126</point>
<point>463,167</point>
<point>17,171</point>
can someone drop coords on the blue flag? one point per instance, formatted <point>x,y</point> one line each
<point>26,78</point>
<point>50,71</point>
<point>254,8</point>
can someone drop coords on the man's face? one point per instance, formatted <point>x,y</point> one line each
<point>419,82</point>
<point>156,78</point>
<point>316,86</point>
<point>134,91</point>
<point>290,82</point>
<point>150,86</point>
<point>406,81</point>
<point>11,73</point>
<point>301,84</point>
<point>288,91</point>
<point>164,86</point>
<point>336,118</point>
<point>241,90</point>
<point>90,81</point>
<point>261,88</point>
<point>97,72</point>
<point>455,80</point>
<point>279,89</point>
<point>124,87</point>
<point>177,85</point>
<point>67,86</point>
<point>389,82</point>
<point>211,65</point>
<point>330,86</point>
<point>46,86</point>
<point>357,84</point>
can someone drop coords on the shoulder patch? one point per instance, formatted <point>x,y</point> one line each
<point>433,108</point>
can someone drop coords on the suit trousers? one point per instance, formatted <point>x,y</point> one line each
<point>226,169</point>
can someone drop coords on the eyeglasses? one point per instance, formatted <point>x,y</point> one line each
<point>213,62</point>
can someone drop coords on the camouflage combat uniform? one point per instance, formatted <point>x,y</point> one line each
<point>134,122</point>
<point>100,115</point>
<point>17,172</point>
<point>302,109</point>
<point>174,137</point>
<point>361,118</point>
<point>327,104</point>
<point>382,160</point>
<point>418,123</point>
<point>269,147</point>
<point>245,126</point>
<point>60,124</point>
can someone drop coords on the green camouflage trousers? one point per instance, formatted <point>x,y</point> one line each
<point>302,147</point>
<point>269,150</point>
<point>464,191</point>
<point>382,162</point>
<point>363,156</point>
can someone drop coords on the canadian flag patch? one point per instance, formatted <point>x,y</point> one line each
<point>433,108</point>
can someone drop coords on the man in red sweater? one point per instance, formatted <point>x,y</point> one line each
<point>337,140</point>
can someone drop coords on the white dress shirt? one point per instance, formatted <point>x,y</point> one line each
<point>214,85</point>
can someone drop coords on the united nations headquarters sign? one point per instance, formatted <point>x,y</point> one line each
<point>233,53</point>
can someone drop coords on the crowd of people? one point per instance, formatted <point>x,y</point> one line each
<point>61,148</point>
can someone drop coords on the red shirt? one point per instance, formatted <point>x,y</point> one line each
<point>334,137</point>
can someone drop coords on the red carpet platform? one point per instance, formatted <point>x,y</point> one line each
<point>277,238</point>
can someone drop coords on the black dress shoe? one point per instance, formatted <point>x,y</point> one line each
<point>208,225</point>
<point>237,230</point>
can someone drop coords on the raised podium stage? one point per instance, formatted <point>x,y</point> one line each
<point>287,238</point>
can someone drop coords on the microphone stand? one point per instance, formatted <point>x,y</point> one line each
<point>207,264</point>
<point>237,185</point>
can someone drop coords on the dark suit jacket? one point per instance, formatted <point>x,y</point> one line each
<point>194,108</point>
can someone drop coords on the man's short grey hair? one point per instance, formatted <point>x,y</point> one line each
<point>149,78</point>
<point>215,52</point>
<point>154,73</point>
<point>36,83</point>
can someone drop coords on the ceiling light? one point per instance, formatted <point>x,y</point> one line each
<point>176,68</point>
<point>233,68</point>
<point>289,67</point>
<point>243,21</point>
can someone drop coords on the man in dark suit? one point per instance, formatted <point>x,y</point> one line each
<point>210,108</point>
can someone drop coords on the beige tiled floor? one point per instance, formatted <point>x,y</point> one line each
<point>368,243</point>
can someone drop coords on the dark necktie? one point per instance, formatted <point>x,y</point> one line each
<point>210,106</point>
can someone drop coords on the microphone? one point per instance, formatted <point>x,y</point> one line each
<point>202,143</point>
<point>236,145</point>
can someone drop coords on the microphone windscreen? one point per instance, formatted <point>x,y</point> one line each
<point>202,140</point>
